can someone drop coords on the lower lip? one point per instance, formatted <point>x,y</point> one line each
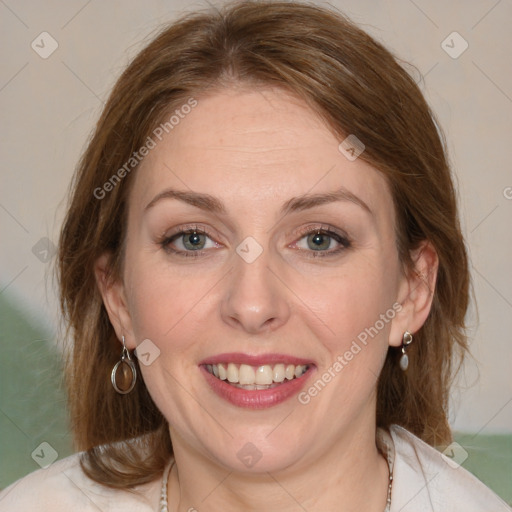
<point>256,398</point>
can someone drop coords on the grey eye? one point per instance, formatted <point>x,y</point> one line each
<point>319,241</point>
<point>194,241</point>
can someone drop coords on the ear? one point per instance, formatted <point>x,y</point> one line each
<point>416,292</point>
<point>114,298</point>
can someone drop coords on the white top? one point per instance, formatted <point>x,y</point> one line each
<point>424,480</point>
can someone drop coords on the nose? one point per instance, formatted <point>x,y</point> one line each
<point>255,299</point>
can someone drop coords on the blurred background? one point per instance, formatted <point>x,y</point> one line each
<point>59,62</point>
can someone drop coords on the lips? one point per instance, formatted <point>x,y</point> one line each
<point>256,381</point>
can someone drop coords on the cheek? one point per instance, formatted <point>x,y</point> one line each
<point>173,313</point>
<point>355,353</point>
<point>356,306</point>
<point>163,303</point>
<point>360,298</point>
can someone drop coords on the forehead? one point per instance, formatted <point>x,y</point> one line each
<point>257,145</point>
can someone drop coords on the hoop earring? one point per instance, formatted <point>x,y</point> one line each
<point>128,372</point>
<point>406,341</point>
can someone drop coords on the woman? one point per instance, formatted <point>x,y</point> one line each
<point>265,280</point>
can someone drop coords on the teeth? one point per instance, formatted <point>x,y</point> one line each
<point>246,375</point>
<point>233,372</point>
<point>264,375</point>
<point>279,375</point>
<point>221,369</point>
<point>289,373</point>
<point>260,377</point>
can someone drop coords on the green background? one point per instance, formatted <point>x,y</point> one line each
<point>33,408</point>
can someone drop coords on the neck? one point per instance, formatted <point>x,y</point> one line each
<point>352,475</point>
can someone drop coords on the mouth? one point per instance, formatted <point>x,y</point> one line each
<point>256,382</point>
<point>244,376</point>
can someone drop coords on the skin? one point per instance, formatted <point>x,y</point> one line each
<point>254,151</point>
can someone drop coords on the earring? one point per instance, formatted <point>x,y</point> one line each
<point>406,341</point>
<point>124,382</point>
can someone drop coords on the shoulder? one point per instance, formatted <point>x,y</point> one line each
<point>63,486</point>
<point>424,480</point>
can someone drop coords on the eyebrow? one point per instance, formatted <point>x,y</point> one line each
<point>210,203</point>
<point>307,201</point>
<point>202,201</point>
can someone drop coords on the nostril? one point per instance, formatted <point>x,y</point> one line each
<point>269,322</point>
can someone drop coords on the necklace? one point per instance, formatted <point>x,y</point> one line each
<point>383,441</point>
<point>163,494</point>
<point>389,459</point>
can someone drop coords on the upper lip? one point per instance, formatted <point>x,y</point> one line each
<point>255,360</point>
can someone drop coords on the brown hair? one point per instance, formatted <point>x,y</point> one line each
<point>358,88</point>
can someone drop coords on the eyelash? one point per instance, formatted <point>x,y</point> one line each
<point>166,241</point>
<point>341,239</point>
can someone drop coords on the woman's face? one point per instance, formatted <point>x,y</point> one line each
<point>288,265</point>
